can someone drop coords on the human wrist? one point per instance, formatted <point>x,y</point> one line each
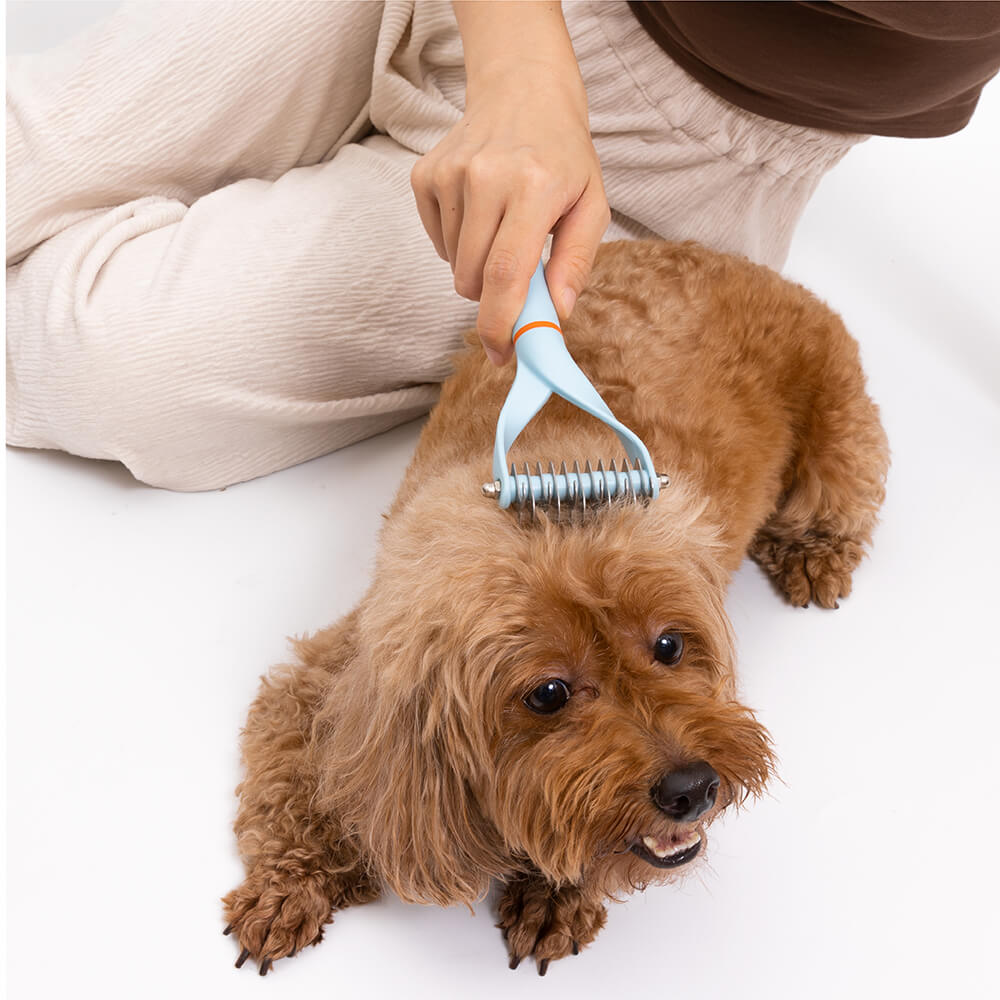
<point>510,44</point>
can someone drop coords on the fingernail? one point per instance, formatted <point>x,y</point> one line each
<point>568,300</point>
<point>495,356</point>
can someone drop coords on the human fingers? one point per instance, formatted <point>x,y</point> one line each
<point>438,186</point>
<point>452,213</point>
<point>509,266</point>
<point>574,246</point>
<point>484,210</point>
<point>427,205</point>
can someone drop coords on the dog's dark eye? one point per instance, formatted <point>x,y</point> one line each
<point>548,697</point>
<point>669,648</point>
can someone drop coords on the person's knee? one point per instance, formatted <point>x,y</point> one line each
<point>99,374</point>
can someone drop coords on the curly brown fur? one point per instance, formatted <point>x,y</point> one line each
<point>400,750</point>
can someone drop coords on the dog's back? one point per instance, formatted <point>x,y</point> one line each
<point>738,381</point>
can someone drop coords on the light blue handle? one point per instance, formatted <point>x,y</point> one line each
<point>544,366</point>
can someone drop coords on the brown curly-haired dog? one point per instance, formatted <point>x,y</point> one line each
<point>554,705</point>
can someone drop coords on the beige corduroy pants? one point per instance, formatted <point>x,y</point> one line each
<point>215,267</point>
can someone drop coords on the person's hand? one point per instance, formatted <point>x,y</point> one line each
<point>519,165</point>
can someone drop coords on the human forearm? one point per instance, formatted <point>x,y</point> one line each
<point>501,38</point>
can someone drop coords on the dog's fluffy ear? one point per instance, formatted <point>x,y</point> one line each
<point>397,770</point>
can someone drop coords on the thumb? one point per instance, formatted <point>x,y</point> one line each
<point>574,246</point>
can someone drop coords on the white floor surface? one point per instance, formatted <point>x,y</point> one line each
<point>139,621</point>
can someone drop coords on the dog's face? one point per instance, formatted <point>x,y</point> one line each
<point>551,696</point>
<point>617,737</point>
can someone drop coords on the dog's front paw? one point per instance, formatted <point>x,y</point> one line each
<point>273,915</point>
<point>538,919</point>
<point>814,568</point>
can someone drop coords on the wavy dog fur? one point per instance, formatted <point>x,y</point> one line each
<point>399,750</point>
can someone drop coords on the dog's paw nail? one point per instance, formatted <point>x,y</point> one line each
<point>264,967</point>
<point>515,961</point>
<point>244,955</point>
<point>576,947</point>
<point>228,930</point>
<point>543,966</point>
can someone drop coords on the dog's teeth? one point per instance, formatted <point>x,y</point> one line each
<point>665,852</point>
<point>654,845</point>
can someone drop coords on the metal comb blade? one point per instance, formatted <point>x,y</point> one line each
<point>576,489</point>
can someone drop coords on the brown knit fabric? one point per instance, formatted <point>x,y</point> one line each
<point>905,69</point>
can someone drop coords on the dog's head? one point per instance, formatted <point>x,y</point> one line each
<point>555,696</point>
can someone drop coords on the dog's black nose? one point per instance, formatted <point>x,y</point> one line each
<point>687,793</point>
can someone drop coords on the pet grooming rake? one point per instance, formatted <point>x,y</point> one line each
<point>544,366</point>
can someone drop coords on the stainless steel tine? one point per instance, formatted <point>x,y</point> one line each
<point>627,482</point>
<point>531,492</point>
<point>579,486</point>
<point>545,491</point>
<point>555,489</point>
<point>523,487</point>
<point>518,495</point>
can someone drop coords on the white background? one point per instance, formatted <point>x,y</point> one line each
<point>140,620</point>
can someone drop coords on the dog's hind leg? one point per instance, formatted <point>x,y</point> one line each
<point>546,922</point>
<point>300,867</point>
<point>833,488</point>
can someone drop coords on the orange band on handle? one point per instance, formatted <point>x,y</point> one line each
<point>531,326</point>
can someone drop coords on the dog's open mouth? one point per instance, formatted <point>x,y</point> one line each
<point>667,853</point>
